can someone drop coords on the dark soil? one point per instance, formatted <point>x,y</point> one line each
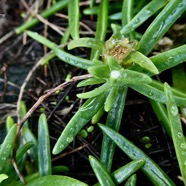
<point>16,61</point>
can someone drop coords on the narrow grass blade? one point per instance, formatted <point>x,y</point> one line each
<point>177,131</point>
<point>165,19</point>
<point>44,156</point>
<point>7,147</point>
<point>101,174</point>
<point>73,18</point>
<point>113,120</point>
<point>151,170</point>
<point>101,27</point>
<point>131,181</point>
<point>77,122</point>
<point>52,10</point>
<point>29,137</point>
<point>87,42</point>
<point>146,12</point>
<point>56,181</point>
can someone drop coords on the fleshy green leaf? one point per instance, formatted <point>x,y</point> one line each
<point>44,157</point>
<point>86,42</point>
<point>143,61</point>
<point>97,91</point>
<point>56,181</point>
<point>176,131</point>
<point>90,81</point>
<point>77,122</point>
<point>7,147</point>
<point>73,15</point>
<point>151,170</point>
<point>101,174</point>
<point>3,177</point>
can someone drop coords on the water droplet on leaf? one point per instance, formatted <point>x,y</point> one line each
<point>69,139</point>
<point>174,110</point>
<point>183,146</point>
<point>180,135</point>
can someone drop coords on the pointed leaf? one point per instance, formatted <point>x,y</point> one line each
<point>56,181</point>
<point>101,174</point>
<point>90,81</point>
<point>152,170</point>
<point>86,42</point>
<point>77,122</point>
<point>97,91</point>
<point>176,131</point>
<point>143,61</point>
<point>7,147</point>
<point>44,156</point>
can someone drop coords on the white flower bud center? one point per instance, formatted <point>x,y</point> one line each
<point>115,74</point>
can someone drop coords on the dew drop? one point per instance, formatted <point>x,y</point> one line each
<point>183,146</point>
<point>124,74</point>
<point>170,59</point>
<point>137,21</point>
<point>69,139</point>
<point>180,4</point>
<point>89,43</point>
<point>174,110</point>
<point>61,146</point>
<point>183,153</point>
<point>180,135</point>
<point>67,59</point>
<point>150,93</point>
<point>149,12</point>
<point>71,130</point>
<point>3,158</point>
<point>184,163</point>
<point>8,146</point>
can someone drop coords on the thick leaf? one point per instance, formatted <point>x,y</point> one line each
<point>165,19</point>
<point>146,12</point>
<point>73,18</point>
<point>61,54</point>
<point>7,147</point>
<point>113,120</point>
<point>156,94</point>
<point>151,169</point>
<point>29,137</point>
<point>97,91</point>
<point>77,122</point>
<point>101,27</point>
<point>44,156</point>
<point>86,42</point>
<point>124,172</point>
<point>90,81</point>
<point>101,174</point>
<point>133,77</point>
<point>176,131</point>
<point>23,111</point>
<point>3,177</point>
<point>131,181</point>
<point>144,62</point>
<point>9,123</point>
<point>56,181</point>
